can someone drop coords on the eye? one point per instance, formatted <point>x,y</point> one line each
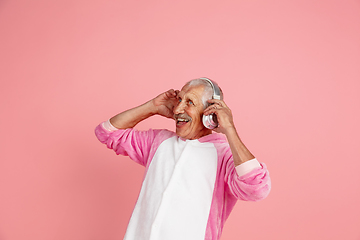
<point>179,99</point>
<point>191,102</point>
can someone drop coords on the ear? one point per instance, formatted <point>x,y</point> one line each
<point>207,105</point>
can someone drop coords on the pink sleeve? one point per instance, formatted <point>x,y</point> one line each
<point>128,142</point>
<point>253,185</point>
<point>108,126</point>
<point>247,167</point>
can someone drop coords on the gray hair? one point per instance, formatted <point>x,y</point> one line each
<point>208,90</point>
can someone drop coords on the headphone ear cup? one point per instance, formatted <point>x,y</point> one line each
<point>210,121</point>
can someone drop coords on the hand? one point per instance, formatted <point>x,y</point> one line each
<point>223,114</point>
<point>165,103</point>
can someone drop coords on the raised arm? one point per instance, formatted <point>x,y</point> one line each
<point>162,105</point>
<point>251,182</point>
<point>226,126</point>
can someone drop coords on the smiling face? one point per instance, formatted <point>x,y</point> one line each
<point>188,113</point>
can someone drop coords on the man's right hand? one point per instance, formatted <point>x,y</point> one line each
<point>162,105</point>
<point>165,103</point>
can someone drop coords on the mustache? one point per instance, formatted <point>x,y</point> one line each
<point>182,115</point>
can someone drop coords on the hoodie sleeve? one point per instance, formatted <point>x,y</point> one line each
<point>127,142</point>
<point>253,185</point>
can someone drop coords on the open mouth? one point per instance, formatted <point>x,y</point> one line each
<point>181,121</point>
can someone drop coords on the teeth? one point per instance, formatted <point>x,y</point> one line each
<point>182,120</point>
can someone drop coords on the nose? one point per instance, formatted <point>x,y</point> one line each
<point>179,108</point>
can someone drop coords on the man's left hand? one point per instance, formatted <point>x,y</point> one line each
<point>223,114</point>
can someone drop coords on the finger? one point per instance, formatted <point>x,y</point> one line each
<point>216,101</point>
<point>217,129</point>
<point>214,106</point>
<point>170,93</point>
<point>211,109</point>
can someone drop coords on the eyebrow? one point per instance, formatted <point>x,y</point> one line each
<point>189,98</point>
<point>192,100</point>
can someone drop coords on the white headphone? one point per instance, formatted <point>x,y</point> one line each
<point>210,121</point>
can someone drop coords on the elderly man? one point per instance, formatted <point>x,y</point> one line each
<point>193,177</point>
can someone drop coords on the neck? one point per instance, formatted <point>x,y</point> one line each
<point>205,131</point>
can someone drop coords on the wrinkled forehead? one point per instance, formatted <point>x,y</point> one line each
<point>193,91</point>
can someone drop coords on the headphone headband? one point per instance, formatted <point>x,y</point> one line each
<point>215,88</point>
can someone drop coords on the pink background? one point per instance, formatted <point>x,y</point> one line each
<point>290,71</point>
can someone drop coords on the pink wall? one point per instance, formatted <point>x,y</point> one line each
<point>290,71</point>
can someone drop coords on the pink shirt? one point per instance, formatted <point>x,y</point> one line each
<point>190,186</point>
